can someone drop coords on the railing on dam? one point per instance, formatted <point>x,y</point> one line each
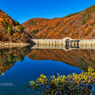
<point>65,44</point>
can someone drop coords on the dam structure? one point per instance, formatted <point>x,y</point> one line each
<point>65,44</point>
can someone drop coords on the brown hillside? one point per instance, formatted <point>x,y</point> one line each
<point>79,25</point>
<point>11,30</point>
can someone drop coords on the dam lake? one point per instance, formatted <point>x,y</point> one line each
<point>18,66</point>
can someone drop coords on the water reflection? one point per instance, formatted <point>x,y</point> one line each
<point>23,72</point>
<point>81,58</point>
<point>21,65</point>
<point>8,56</point>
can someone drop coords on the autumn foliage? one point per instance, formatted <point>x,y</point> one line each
<point>80,25</point>
<point>11,30</point>
<point>72,84</point>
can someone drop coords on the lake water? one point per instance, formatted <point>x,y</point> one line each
<point>18,66</point>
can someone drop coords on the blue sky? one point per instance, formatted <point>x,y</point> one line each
<point>23,10</point>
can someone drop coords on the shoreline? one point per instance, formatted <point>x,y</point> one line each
<point>11,44</point>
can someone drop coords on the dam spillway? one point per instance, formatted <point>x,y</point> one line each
<point>65,44</point>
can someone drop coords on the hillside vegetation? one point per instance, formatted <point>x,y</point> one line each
<point>79,25</point>
<point>11,30</point>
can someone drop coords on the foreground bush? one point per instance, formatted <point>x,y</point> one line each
<point>73,84</point>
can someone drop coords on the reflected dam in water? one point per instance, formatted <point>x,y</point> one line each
<point>65,44</point>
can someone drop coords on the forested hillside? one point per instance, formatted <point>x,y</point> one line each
<point>11,30</point>
<point>79,25</point>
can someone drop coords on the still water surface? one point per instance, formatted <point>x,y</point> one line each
<point>18,66</point>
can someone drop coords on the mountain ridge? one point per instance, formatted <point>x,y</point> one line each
<point>79,25</point>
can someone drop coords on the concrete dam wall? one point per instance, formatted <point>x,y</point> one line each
<point>49,41</point>
<point>66,43</point>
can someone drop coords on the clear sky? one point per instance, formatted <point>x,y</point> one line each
<point>23,10</point>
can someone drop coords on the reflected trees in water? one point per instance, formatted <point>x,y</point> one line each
<point>9,56</point>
